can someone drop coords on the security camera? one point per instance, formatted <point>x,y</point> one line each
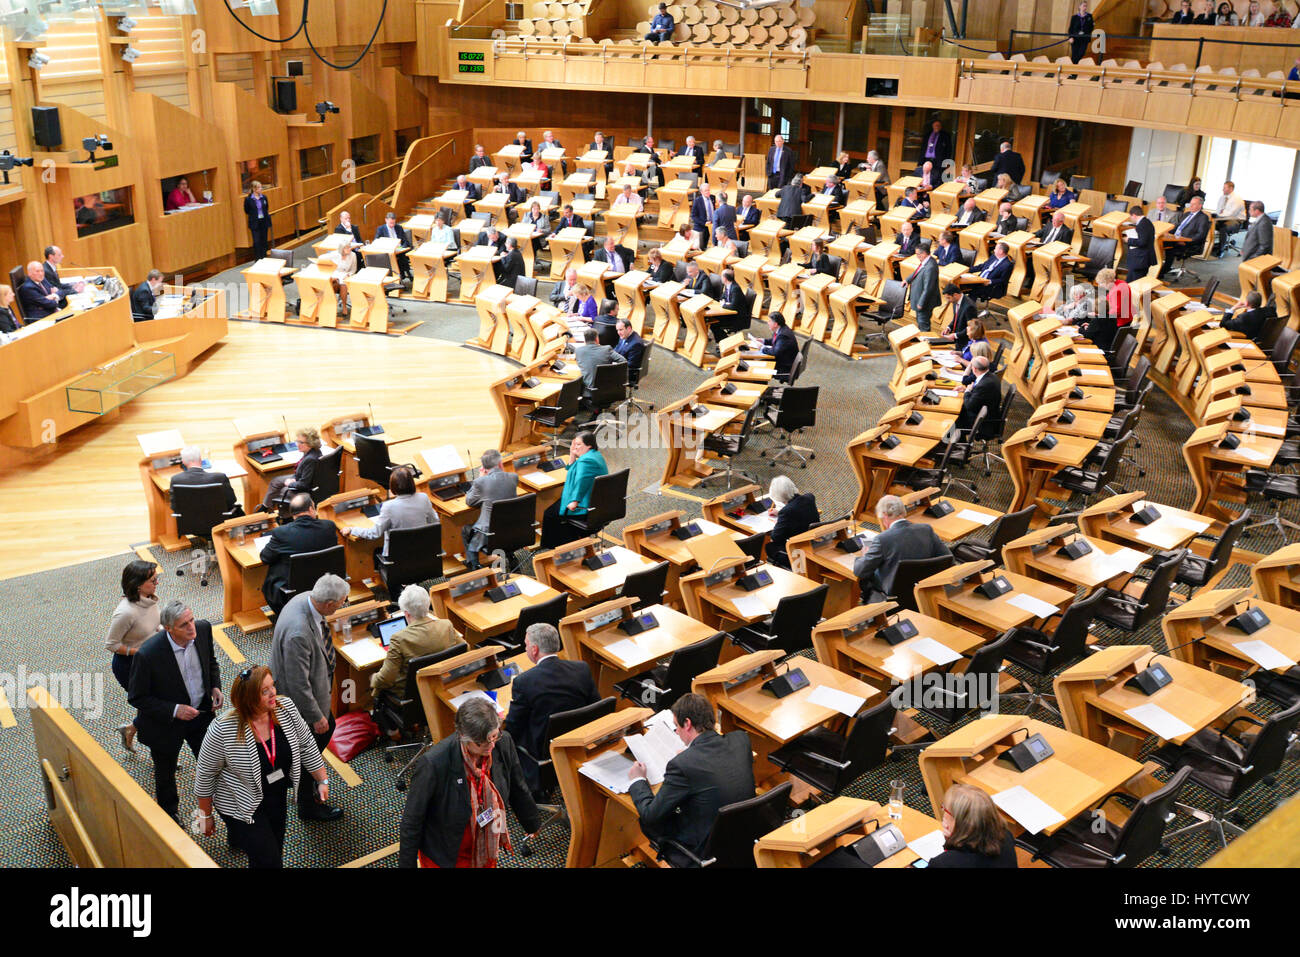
<point>8,161</point>
<point>325,107</point>
<point>92,143</point>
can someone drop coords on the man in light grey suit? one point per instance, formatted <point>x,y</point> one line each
<point>1259,234</point>
<point>492,485</point>
<point>302,661</point>
<point>924,285</point>
<point>592,354</point>
<point>1161,213</point>
<point>898,540</point>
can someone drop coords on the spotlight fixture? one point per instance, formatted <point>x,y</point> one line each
<point>38,60</point>
<point>129,54</point>
<point>126,25</point>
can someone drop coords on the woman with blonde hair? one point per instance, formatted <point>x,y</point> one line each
<point>9,321</point>
<point>284,487</point>
<point>973,832</point>
<point>1060,195</point>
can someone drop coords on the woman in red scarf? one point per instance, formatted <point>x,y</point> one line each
<point>455,814</point>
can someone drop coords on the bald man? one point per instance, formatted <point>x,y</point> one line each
<point>39,297</point>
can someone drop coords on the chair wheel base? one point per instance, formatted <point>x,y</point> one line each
<point>400,785</point>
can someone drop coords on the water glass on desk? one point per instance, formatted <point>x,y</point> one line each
<point>897,788</point>
<point>239,534</point>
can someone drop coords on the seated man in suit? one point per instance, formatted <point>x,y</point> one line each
<point>963,311</point>
<point>733,298</point>
<point>714,771</point>
<point>618,261</point>
<point>1161,213</point>
<point>192,473</point>
<point>570,220</point>
<point>898,540</point>
<point>697,281</point>
<point>631,347</point>
<point>390,230</point>
<point>512,192</point>
<point>471,190</point>
<point>552,685</point>
<point>925,172</point>
<point>54,259</point>
<point>480,158</point>
<point>630,197</point>
<point>1248,316</point>
<point>984,393</point>
<point>747,216</point>
<point>305,533</point>
<point>834,190</point>
<point>781,345</point>
<point>591,354</point>
<point>1259,233</point>
<point>997,270</point>
<point>913,200</point>
<point>492,484</point>
<point>600,144</point>
<point>1007,223</point>
<point>1056,231</point>
<point>175,689</point>
<point>970,213</point>
<point>346,228</point>
<point>907,238</point>
<point>511,267</point>
<point>37,295</point>
<point>692,149</point>
<point>564,295</point>
<point>492,237</point>
<point>144,297</point>
<point>1188,237</point>
<point>549,142</point>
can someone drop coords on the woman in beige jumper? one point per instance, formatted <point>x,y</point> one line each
<point>134,620</point>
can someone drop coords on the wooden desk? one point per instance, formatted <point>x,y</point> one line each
<point>949,595</point>
<point>1112,519</point>
<point>357,655</point>
<point>1078,776</point>
<point>345,511</point>
<point>684,433</point>
<point>1275,577</point>
<point>442,683</point>
<point>509,159</point>
<point>1037,555</point>
<point>566,251</point>
<point>540,472</point>
<point>630,291</point>
<point>368,299</point>
<point>841,822</point>
<point>722,178</point>
<point>1198,631</point>
<point>463,601</point>
<point>817,556</point>
<point>494,324</point>
<point>965,518</point>
<point>476,272</point>
<point>744,509</point>
<point>675,204</point>
<point>563,569</point>
<point>156,470</point>
<point>713,597</point>
<point>258,432</point>
<point>654,537</point>
<point>265,290</point>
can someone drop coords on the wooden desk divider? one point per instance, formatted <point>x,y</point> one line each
<point>782,284</point>
<point>816,555</point>
<point>696,327</point>
<point>369,302</point>
<point>524,344</point>
<point>493,324</point>
<point>733,510</point>
<point>765,240</point>
<point>513,399</point>
<point>242,573</point>
<point>316,303</point>
<point>667,314</point>
<point>629,290</point>
<point>344,509</point>
<point>441,681</point>
<point>1275,576</point>
<point>1185,625</point>
<point>683,434</point>
<point>750,272</point>
<point>265,291</point>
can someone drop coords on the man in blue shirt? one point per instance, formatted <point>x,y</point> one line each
<point>662,26</point>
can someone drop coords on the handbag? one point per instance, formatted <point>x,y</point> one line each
<point>353,733</point>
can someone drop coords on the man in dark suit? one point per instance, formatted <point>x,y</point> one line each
<point>963,311</point>
<point>790,203</point>
<point>175,689</point>
<point>899,539</point>
<point>480,158</point>
<point>694,150</point>
<point>697,281</point>
<point>511,266</point>
<point>724,219</point>
<point>1189,234</point>
<point>144,297</point>
<point>733,298</point>
<point>521,139</point>
<point>907,238</point>
<point>714,771</point>
<point>702,210</point>
<point>928,176</point>
<point>1008,161</point>
<point>346,228</point>
<point>1056,231</point>
<point>779,164</point>
<point>192,473</point>
<point>54,259</point>
<point>37,296</point>
<point>551,685</point>
<point>599,142</point>
<point>984,393</point>
<point>1248,316</point>
<point>970,213</point>
<point>631,347</point>
<point>997,270</point>
<point>1141,243</point>
<point>618,260</point>
<point>390,230</point>
<point>570,220</point>
<point>492,237</point>
<point>306,533</point>
<point>472,192</point>
<point>257,209</point>
<point>549,142</point>
<point>834,190</point>
<point>1259,233</point>
<point>923,285</point>
<point>1007,222</point>
<point>512,192</point>
<point>1184,14</point>
<point>782,345</point>
<point>747,216</point>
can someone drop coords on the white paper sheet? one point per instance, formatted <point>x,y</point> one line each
<point>625,650</point>
<point>1035,606</point>
<point>460,699</point>
<point>756,521</point>
<point>946,393</point>
<point>935,651</point>
<point>1028,810</point>
<point>968,515</point>
<point>1274,430</point>
<point>444,458</point>
<point>750,606</point>
<point>1264,654</point>
<point>1252,454</point>
<point>610,771</point>
<point>1156,719</point>
<point>836,700</point>
<point>1129,560</point>
<point>1238,345</point>
<point>534,476</point>
<point>655,749</point>
<point>260,542</point>
<point>928,846</point>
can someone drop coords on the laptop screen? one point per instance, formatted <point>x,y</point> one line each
<point>390,627</point>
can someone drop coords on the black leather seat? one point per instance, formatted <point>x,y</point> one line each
<point>735,831</point>
<point>789,629</point>
<point>829,761</point>
<point>662,685</point>
<point>414,556</point>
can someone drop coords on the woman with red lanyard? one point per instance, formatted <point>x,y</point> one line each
<point>455,814</point>
<point>250,758</point>
<point>1114,309</point>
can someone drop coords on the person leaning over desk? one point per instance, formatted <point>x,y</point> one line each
<point>252,755</point>
<point>306,533</point>
<point>425,633</point>
<point>795,513</point>
<point>404,509</point>
<point>455,813</point>
<point>134,620</point>
<point>586,464</point>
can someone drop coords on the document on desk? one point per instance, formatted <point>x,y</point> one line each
<point>1027,809</point>
<point>928,846</point>
<point>444,458</point>
<point>1264,654</point>
<point>933,650</point>
<point>292,457</point>
<point>625,650</point>
<point>529,586</point>
<point>460,699</point>
<point>756,522</point>
<point>1239,345</point>
<point>1253,454</point>
<point>1159,721</point>
<point>978,518</point>
<point>946,393</point>
<point>1274,430</point>
<point>750,606</point>
<point>836,700</point>
<point>655,749</point>
<point>534,476</point>
<point>1128,560</point>
<point>260,542</point>
<point>1035,606</point>
<point>610,771</point>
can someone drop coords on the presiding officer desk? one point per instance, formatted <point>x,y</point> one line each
<point>808,839</point>
<point>162,460</point>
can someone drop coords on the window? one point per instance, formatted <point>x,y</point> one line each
<point>364,150</point>
<point>990,130</point>
<point>178,190</point>
<point>316,161</point>
<point>404,139</point>
<point>98,212</point>
<point>916,133</point>
<point>262,170</point>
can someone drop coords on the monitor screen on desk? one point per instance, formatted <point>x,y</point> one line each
<point>389,627</point>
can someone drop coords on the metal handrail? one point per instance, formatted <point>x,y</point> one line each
<point>1199,41</point>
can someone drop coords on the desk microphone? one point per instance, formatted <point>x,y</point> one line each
<point>285,423</point>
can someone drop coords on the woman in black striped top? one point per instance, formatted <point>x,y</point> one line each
<point>250,758</point>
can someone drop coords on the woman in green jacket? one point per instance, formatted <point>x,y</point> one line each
<point>585,465</point>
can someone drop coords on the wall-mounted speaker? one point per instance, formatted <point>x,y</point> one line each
<point>286,96</point>
<point>46,129</point>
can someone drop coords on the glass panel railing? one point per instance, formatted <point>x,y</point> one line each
<point>103,390</point>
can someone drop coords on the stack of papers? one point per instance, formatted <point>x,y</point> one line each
<point>1027,809</point>
<point>750,607</point>
<point>979,518</point>
<point>610,771</point>
<point>1035,606</point>
<point>460,699</point>
<point>1264,654</point>
<point>625,650</point>
<point>529,586</point>
<point>928,846</point>
<point>260,542</point>
<point>655,749</point>
<point>444,458</point>
<point>932,650</point>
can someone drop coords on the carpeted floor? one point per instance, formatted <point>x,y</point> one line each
<point>57,618</point>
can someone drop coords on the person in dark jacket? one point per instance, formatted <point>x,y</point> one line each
<point>144,297</point>
<point>795,513</point>
<point>304,473</point>
<point>973,833</point>
<point>511,267</point>
<point>258,212</point>
<point>1141,244</point>
<point>551,685</point>
<point>455,813</point>
<point>175,689</point>
<point>1248,316</point>
<point>1007,161</point>
<point>714,771</point>
<point>1080,32</point>
<point>306,533</point>
<point>898,540</point>
<point>193,473</point>
<point>782,346</point>
<point>38,296</point>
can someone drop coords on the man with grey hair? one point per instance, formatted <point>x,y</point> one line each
<point>193,473</point>
<point>550,686</point>
<point>492,485</point>
<point>176,689</point>
<point>302,661</point>
<point>899,539</point>
<point>425,634</point>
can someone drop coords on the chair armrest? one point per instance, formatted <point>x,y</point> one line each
<point>823,759</point>
<point>540,762</point>
<point>687,852</point>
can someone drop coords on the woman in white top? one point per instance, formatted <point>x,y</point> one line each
<point>134,620</point>
<point>1255,17</point>
<point>539,223</point>
<point>441,233</point>
<point>346,265</point>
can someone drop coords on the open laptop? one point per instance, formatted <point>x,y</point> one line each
<point>384,630</point>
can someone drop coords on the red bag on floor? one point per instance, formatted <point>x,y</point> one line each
<point>353,733</point>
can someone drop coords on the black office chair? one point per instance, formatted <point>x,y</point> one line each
<point>541,613</point>
<point>286,257</point>
<point>729,446</point>
<point>894,294</point>
<point>957,452</point>
<point>830,762</point>
<point>1078,183</point>
<point>608,503</point>
<point>306,568</point>
<point>735,831</point>
<point>646,586</point>
<point>414,556</point>
<point>1104,477</point>
<point>978,690</point>
<point>662,685</point>
<point>555,417</point>
<point>909,572</point>
<point>373,463</point>
<point>1114,206</point>
<point>405,714</point>
<point>1130,612</point>
<point>991,430</point>
<point>1043,655</point>
<point>197,510</point>
<point>1275,489</point>
<point>789,629</point>
<point>752,546</point>
<point>606,332</point>
<point>1121,352</point>
<point>609,391</point>
<point>796,411</point>
<point>635,378</point>
<point>1197,572</point>
<point>1007,528</point>
<point>512,527</point>
<point>1101,255</point>
<point>1081,844</point>
<point>525,286</point>
<point>328,474</point>
<point>1228,766</point>
<point>1049,179</point>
